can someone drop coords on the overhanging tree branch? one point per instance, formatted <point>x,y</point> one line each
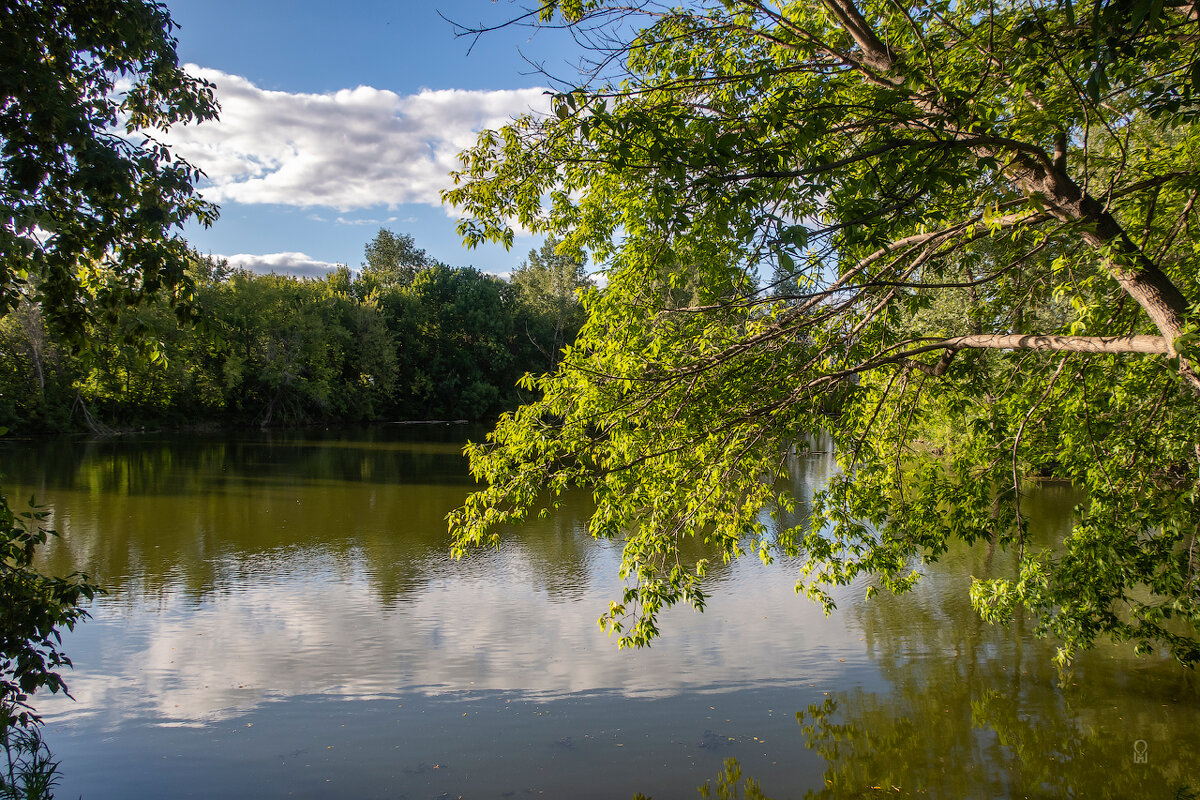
<point>1038,174</point>
<point>1156,345</point>
<point>790,197</point>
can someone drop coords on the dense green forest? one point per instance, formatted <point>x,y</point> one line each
<point>404,338</point>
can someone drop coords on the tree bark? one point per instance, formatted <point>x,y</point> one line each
<point>1039,175</point>
<point>1155,345</point>
<point>1062,344</point>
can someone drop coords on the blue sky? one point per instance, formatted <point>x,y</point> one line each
<point>339,119</point>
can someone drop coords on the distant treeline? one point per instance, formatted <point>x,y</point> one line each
<point>405,338</point>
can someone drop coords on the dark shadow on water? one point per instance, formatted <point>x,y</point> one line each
<point>184,464</point>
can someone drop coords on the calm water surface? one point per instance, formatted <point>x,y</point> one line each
<point>283,621</point>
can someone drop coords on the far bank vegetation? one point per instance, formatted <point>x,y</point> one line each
<point>403,338</point>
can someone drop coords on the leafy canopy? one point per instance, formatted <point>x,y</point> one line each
<point>955,235</point>
<point>392,260</point>
<point>550,282</point>
<point>83,84</point>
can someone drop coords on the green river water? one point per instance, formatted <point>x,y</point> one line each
<point>283,620</point>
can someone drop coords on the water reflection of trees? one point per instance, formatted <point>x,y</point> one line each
<point>977,711</point>
<point>181,464</point>
<point>966,740</point>
<point>148,516</point>
<point>153,515</point>
<point>969,710</point>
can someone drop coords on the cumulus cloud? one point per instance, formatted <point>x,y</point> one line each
<point>350,149</point>
<point>298,264</point>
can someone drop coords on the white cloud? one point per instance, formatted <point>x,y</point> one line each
<point>389,220</point>
<point>297,264</point>
<point>350,149</point>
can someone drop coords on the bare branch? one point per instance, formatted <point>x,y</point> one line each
<point>1073,344</point>
<point>1153,345</point>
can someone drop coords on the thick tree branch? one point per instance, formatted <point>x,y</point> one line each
<point>1140,276</point>
<point>876,54</point>
<point>1016,341</point>
<point>1074,344</point>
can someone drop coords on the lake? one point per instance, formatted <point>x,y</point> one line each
<point>283,620</point>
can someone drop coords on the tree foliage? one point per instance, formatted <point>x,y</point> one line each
<point>958,236</point>
<point>83,85</point>
<point>550,282</point>
<point>274,350</point>
<point>392,260</point>
<point>36,608</point>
